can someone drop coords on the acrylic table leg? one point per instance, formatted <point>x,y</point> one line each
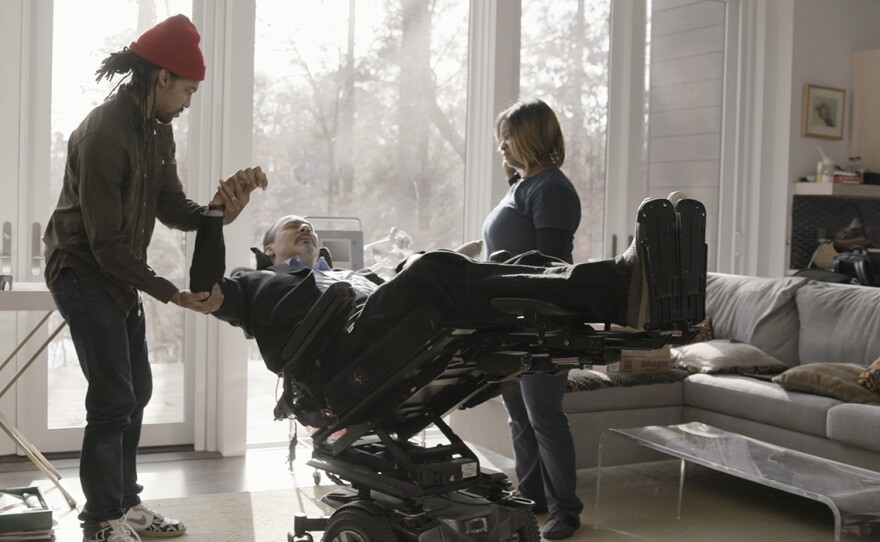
<point>598,482</point>
<point>680,487</point>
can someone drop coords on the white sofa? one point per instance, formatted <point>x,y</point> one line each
<point>795,320</point>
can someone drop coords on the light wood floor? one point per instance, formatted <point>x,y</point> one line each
<point>718,507</point>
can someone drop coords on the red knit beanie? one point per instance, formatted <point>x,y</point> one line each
<point>173,44</point>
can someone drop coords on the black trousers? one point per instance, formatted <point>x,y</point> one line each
<point>462,289</point>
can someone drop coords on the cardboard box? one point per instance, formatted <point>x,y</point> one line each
<point>33,519</point>
<point>843,177</point>
<point>640,361</point>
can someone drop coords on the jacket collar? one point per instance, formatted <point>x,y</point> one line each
<point>293,266</point>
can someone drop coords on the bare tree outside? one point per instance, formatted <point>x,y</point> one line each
<point>564,61</point>
<point>366,118</point>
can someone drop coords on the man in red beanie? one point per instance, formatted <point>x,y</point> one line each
<point>121,176</point>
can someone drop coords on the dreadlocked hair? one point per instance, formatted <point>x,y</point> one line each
<point>127,63</point>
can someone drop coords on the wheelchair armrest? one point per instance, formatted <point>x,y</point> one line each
<point>322,325</point>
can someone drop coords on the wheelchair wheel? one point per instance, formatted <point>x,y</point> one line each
<point>529,532</point>
<point>356,525</point>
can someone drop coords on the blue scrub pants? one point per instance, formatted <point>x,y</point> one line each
<point>542,443</point>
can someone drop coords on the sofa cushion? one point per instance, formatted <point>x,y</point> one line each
<point>619,399</point>
<point>760,401</point>
<point>855,424</point>
<point>722,356</point>
<point>837,380</point>
<point>758,311</point>
<point>838,323</point>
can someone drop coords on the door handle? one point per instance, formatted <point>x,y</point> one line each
<point>37,256</point>
<point>6,250</point>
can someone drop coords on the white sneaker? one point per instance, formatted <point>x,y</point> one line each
<point>113,530</point>
<point>146,522</point>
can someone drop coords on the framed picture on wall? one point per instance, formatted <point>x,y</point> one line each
<point>824,110</point>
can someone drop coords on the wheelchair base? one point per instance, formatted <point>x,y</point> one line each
<point>459,516</point>
<point>402,491</point>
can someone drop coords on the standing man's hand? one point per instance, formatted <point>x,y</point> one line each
<point>235,192</point>
<point>203,302</point>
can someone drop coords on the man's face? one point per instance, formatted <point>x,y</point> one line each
<point>172,96</point>
<point>294,236</point>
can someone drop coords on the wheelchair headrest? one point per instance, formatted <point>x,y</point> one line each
<point>263,261</point>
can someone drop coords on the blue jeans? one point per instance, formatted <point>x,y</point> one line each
<point>112,350</point>
<point>542,443</point>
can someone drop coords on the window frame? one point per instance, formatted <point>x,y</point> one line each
<point>221,141</point>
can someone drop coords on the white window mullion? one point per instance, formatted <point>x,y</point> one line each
<point>222,143</point>
<point>626,118</point>
<point>737,97</point>
<point>493,84</point>
<point>35,203</point>
<point>753,217</point>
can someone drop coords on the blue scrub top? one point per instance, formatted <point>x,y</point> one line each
<point>545,200</point>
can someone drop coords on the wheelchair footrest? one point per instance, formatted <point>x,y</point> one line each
<point>692,254</point>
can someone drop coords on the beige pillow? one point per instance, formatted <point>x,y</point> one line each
<point>719,356</point>
<point>837,380</point>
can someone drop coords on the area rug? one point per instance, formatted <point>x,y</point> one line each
<point>638,504</point>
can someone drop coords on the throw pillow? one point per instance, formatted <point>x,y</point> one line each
<point>871,378</point>
<point>837,380</point>
<point>721,356</point>
<point>704,331</point>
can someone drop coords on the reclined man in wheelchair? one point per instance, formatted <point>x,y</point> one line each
<point>385,359</point>
<point>654,290</point>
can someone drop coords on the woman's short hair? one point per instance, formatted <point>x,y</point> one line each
<point>535,137</point>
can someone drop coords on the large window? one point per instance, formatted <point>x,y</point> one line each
<point>80,42</point>
<point>564,61</point>
<point>360,111</point>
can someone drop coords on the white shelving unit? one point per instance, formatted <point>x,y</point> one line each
<point>837,189</point>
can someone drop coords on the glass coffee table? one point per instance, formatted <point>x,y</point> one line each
<point>853,494</point>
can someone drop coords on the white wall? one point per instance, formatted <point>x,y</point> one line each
<point>785,43</point>
<point>827,32</point>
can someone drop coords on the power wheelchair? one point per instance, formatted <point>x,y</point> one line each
<point>392,488</point>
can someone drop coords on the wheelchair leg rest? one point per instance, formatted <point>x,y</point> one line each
<point>657,248</point>
<point>692,256</point>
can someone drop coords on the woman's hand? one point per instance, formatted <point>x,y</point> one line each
<point>235,192</point>
<point>510,172</point>
<point>471,249</point>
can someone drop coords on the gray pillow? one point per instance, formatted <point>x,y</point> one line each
<point>755,310</point>
<point>837,380</point>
